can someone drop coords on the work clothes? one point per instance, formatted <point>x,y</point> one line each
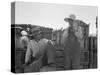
<point>39,50</point>
<point>72,52</point>
<point>24,41</point>
<point>70,41</point>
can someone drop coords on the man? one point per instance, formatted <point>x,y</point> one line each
<point>23,42</point>
<point>24,39</point>
<point>37,49</point>
<point>70,41</point>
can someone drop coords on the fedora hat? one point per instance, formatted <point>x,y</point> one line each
<point>36,31</point>
<point>72,16</point>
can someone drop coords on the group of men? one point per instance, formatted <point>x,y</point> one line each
<point>40,52</point>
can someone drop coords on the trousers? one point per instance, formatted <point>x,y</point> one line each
<point>72,54</point>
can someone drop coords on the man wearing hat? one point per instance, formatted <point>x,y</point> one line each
<point>37,48</point>
<point>24,39</point>
<point>71,44</point>
<point>24,42</point>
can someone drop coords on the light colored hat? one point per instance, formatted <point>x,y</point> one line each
<point>72,16</point>
<point>23,33</point>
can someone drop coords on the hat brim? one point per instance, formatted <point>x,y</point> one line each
<point>36,33</point>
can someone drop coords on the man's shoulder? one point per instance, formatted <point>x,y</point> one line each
<point>44,40</point>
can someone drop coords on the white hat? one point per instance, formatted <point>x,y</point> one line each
<point>23,33</point>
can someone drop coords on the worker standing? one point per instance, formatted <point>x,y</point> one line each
<point>71,44</point>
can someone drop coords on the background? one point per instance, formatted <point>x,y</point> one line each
<point>5,37</point>
<point>52,15</point>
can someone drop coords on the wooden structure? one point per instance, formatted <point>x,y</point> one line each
<point>88,51</point>
<point>93,52</point>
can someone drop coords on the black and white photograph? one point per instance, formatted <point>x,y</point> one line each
<point>48,37</point>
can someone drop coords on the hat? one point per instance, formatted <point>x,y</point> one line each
<point>72,16</point>
<point>23,33</point>
<point>36,31</point>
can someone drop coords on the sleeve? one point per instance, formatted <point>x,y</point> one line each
<point>28,52</point>
<point>64,36</point>
<point>24,41</point>
<point>50,52</point>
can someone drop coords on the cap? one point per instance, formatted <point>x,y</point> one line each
<point>36,31</point>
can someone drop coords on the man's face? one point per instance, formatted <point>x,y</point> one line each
<point>38,36</point>
<point>75,26</point>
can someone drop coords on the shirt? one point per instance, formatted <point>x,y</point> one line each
<point>24,41</point>
<point>78,30</point>
<point>64,36</point>
<point>35,49</point>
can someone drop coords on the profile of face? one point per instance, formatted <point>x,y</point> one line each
<point>38,36</point>
<point>75,25</point>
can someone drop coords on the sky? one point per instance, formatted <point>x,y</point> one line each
<point>52,15</point>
